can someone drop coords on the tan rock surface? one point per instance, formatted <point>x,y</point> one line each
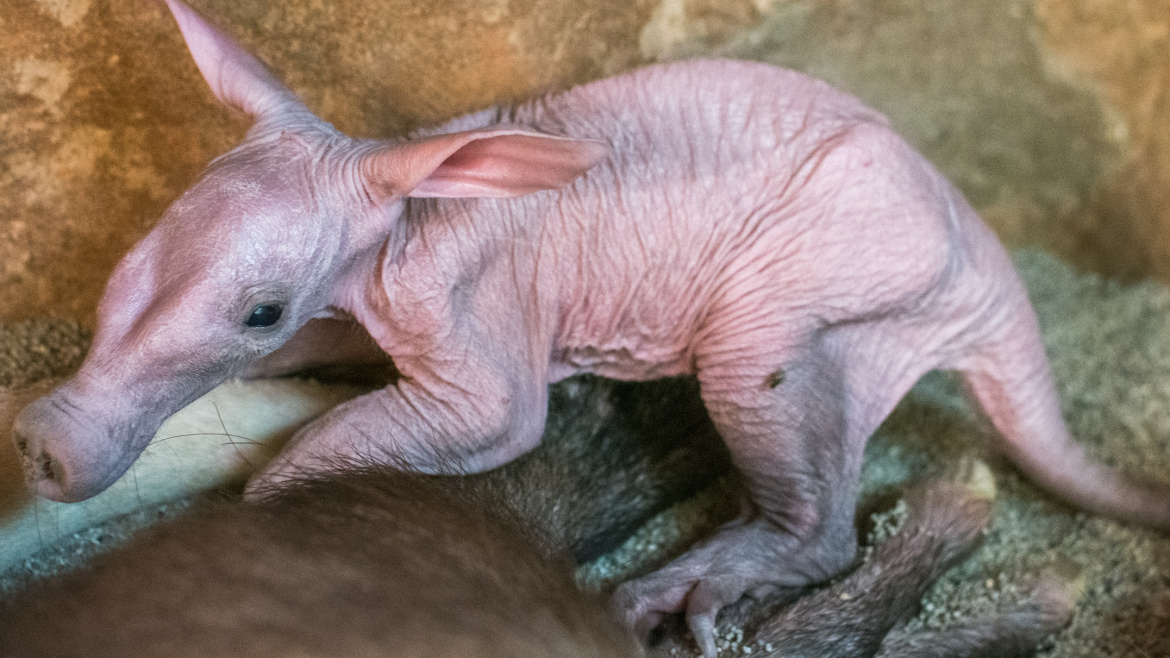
<point>1121,50</point>
<point>104,119</point>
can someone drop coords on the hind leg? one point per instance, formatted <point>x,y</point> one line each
<point>795,422</point>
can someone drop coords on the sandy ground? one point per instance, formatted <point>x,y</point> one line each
<point>1110,350</point>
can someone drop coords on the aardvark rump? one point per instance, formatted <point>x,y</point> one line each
<point>740,222</point>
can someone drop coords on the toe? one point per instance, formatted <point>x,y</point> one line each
<point>702,625</point>
<point>644,603</point>
<point>703,605</point>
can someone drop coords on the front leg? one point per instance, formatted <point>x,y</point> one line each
<point>471,390</point>
<point>460,415</point>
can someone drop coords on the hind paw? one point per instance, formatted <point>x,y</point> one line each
<point>742,558</point>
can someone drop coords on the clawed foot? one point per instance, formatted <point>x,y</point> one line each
<point>743,557</point>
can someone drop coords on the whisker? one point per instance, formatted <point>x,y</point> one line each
<point>174,450</point>
<point>137,491</point>
<point>231,439</point>
<point>234,440</point>
<point>37,520</point>
<point>191,434</point>
<point>239,440</point>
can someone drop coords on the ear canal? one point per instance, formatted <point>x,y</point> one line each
<point>480,163</point>
<point>236,77</point>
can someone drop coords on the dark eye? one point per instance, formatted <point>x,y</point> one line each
<point>265,315</point>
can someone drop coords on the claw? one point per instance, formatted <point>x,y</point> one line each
<point>718,572</point>
<point>703,605</point>
<point>702,627</point>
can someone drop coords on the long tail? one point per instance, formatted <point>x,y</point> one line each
<point>1007,373</point>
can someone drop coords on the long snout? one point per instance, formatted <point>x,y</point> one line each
<point>67,454</point>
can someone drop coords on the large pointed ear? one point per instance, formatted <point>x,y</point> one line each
<point>479,163</point>
<point>236,78</point>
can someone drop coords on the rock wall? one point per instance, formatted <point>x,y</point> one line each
<point>1049,114</point>
<point>1120,51</point>
<point>104,119</point>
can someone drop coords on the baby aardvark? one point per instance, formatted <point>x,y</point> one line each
<point>740,222</point>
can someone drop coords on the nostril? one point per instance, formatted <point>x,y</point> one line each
<point>48,467</point>
<point>46,442</point>
<point>36,467</point>
<point>38,464</point>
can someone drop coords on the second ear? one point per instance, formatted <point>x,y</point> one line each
<point>480,163</point>
<point>235,76</point>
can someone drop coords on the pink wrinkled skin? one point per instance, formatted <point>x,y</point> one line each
<point>735,221</point>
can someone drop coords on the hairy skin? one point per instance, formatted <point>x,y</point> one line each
<point>375,561</point>
<point>742,223</point>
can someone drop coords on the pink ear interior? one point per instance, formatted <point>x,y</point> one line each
<point>510,165</point>
<point>236,77</point>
